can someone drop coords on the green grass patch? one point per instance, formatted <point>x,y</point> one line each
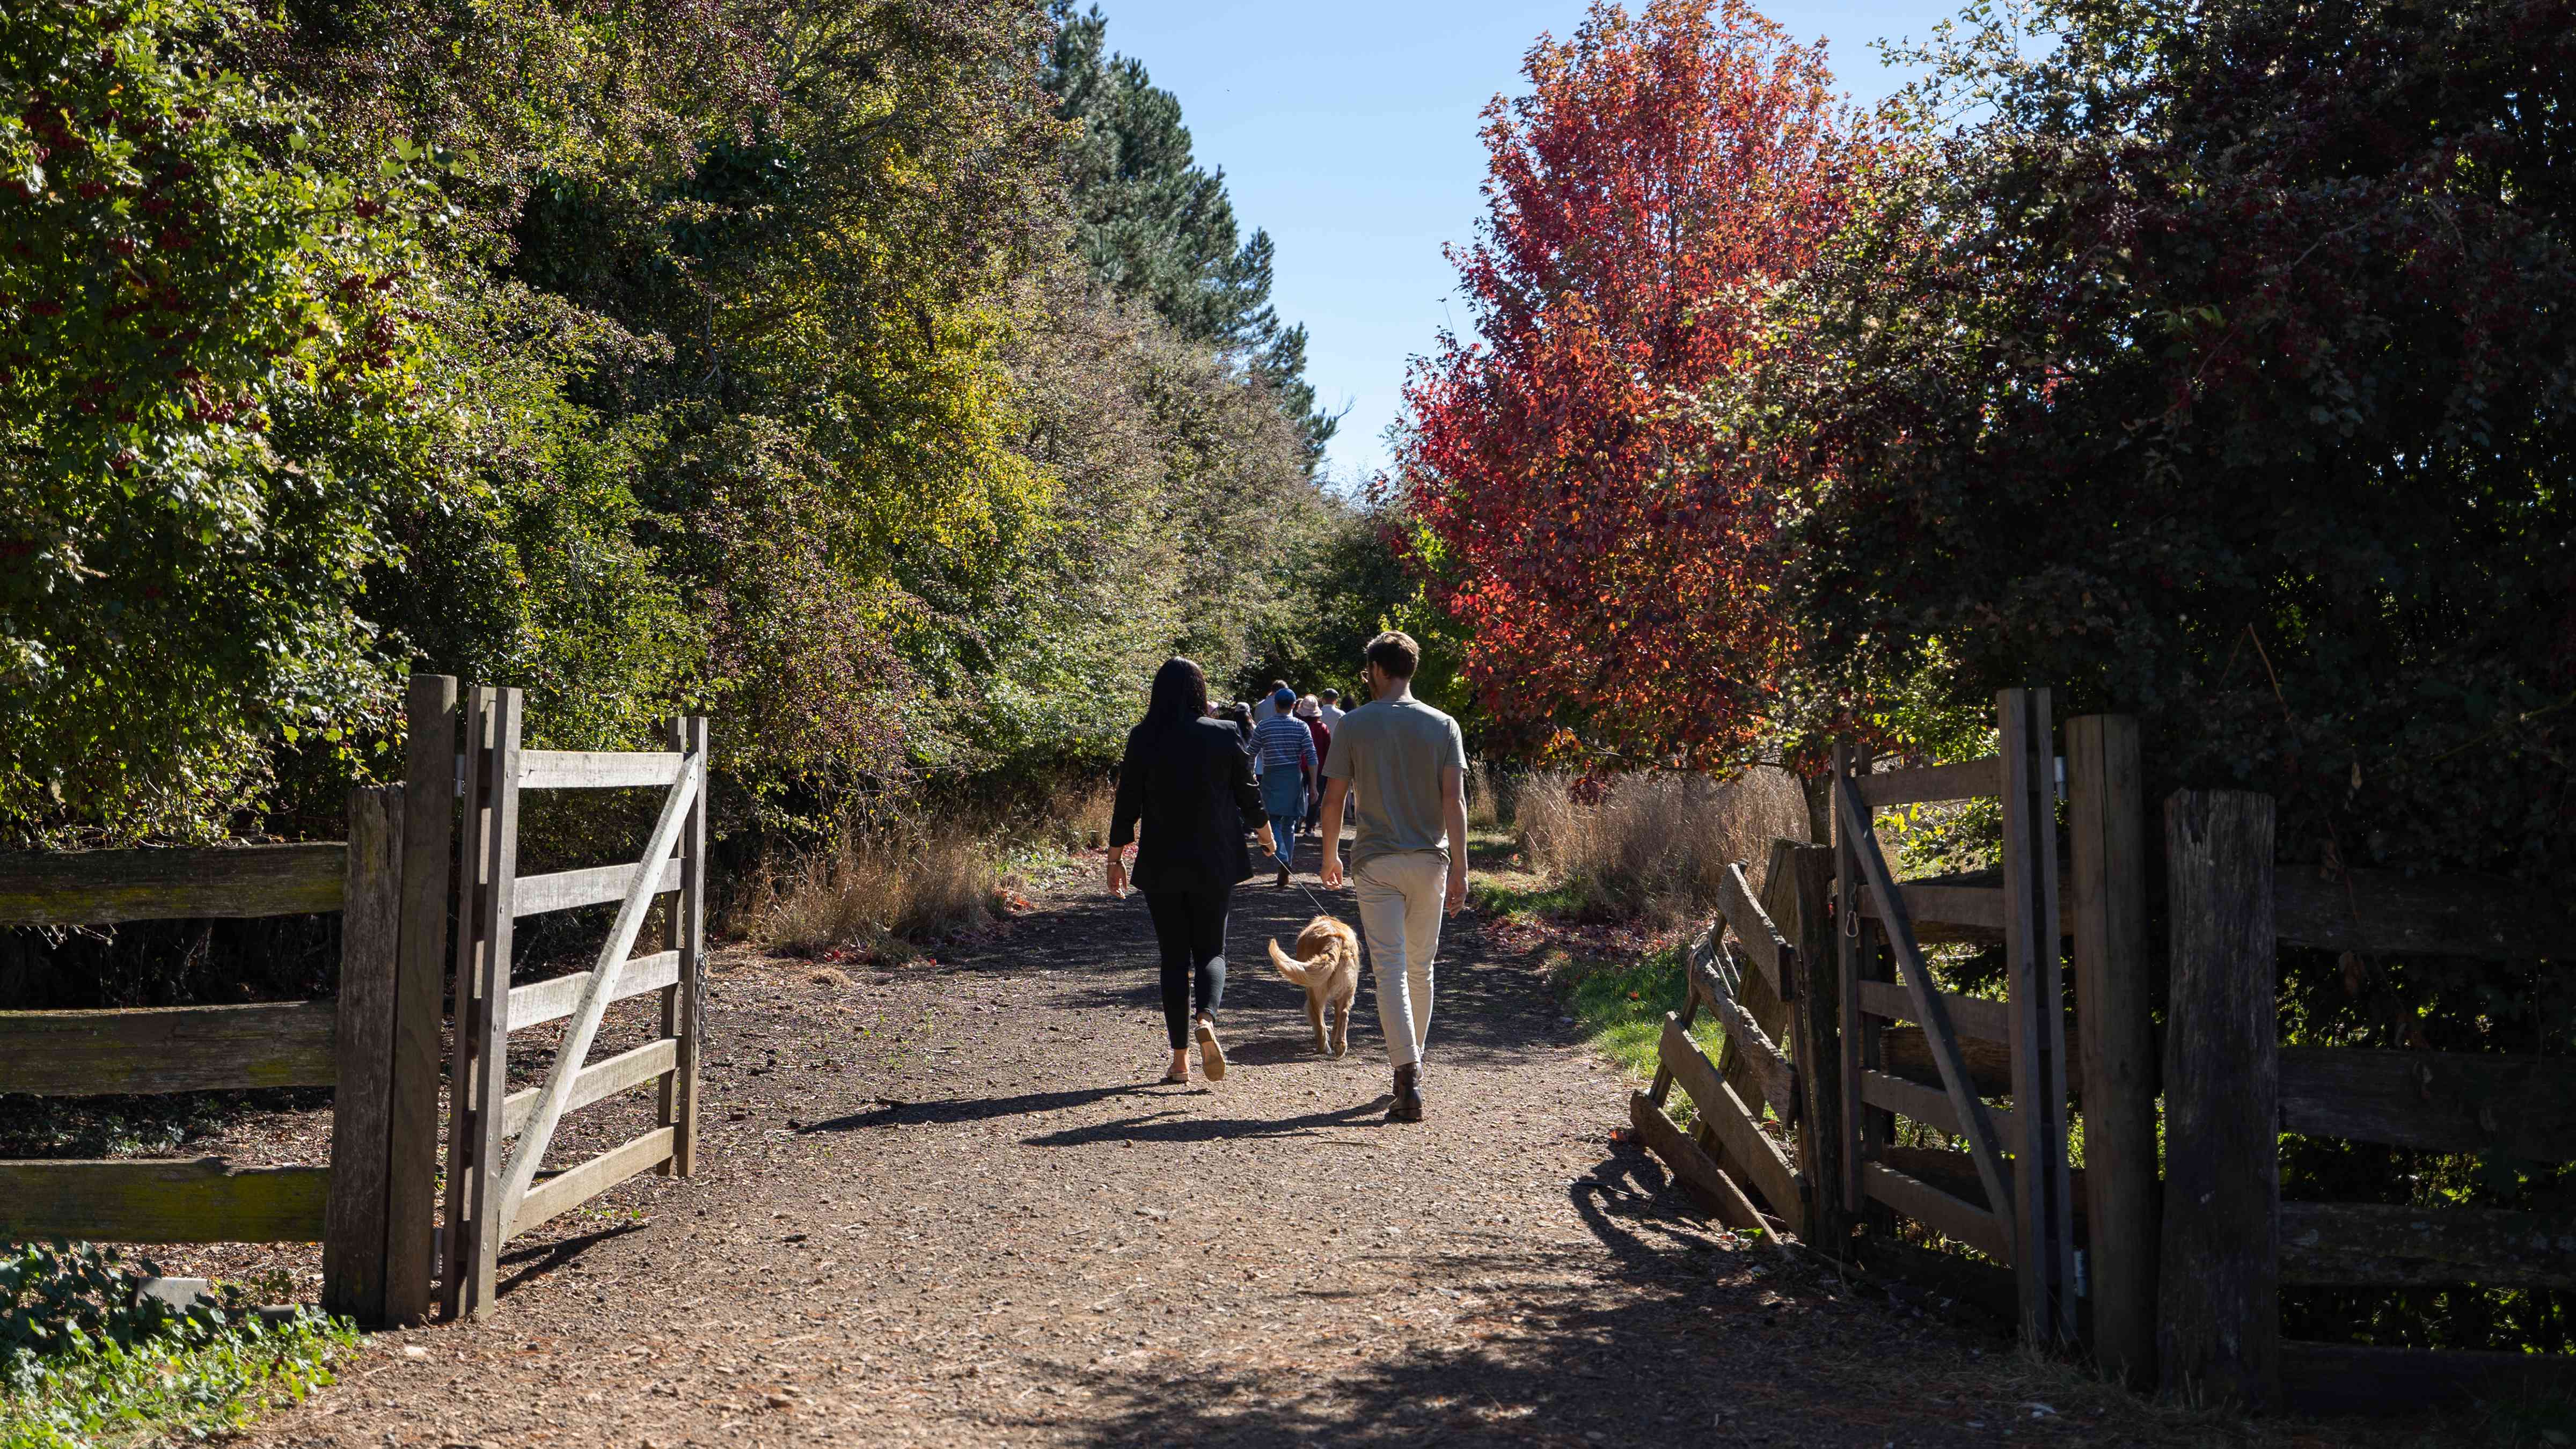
<point>1619,1007</point>
<point>1524,898</point>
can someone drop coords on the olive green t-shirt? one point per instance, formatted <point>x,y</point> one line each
<point>1392,751</point>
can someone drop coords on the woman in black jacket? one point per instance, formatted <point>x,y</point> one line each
<point>1189,782</point>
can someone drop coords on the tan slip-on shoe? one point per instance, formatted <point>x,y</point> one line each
<point>1211,1055</point>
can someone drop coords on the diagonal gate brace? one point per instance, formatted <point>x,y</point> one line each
<point>521,1168</point>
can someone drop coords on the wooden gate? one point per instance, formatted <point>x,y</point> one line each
<point>2010,1195</point>
<point>495,1195</point>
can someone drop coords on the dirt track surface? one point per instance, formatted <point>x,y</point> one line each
<point>942,1205</point>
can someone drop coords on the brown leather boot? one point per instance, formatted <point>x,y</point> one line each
<point>1407,1106</point>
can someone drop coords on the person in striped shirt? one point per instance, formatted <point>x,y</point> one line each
<point>1289,769</point>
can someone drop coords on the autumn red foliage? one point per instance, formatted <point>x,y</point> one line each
<point>1607,557</point>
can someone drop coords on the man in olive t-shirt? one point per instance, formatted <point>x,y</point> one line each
<point>1409,863</point>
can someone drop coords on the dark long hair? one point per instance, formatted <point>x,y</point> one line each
<point>1179,697</point>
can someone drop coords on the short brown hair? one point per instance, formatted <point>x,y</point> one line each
<point>1395,652</point>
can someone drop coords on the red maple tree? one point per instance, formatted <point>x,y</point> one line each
<point>1666,170</point>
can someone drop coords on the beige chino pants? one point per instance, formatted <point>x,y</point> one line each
<point>1400,899</point>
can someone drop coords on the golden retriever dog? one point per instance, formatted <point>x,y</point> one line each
<point>1327,964</point>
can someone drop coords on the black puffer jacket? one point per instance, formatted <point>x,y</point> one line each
<point>1192,788</point>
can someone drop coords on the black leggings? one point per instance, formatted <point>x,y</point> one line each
<point>1190,927</point>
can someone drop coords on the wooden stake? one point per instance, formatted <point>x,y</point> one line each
<point>2115,990</point>
<point>353,1233</point>
<point>428,858</point>
<point>2218,1289</point>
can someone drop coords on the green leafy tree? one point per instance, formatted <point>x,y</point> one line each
<point>209,397</point>
<point>1156,227</point>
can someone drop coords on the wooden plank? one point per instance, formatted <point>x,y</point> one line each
<point>153,1049</point>
<point>2354,1244</point>
<point>1754,929</point>
<point>568,1190</point>
<point>353,1231</point>
<point>684,1013</point>
<point>1952,1217</point>
<point>1933,784</point>
<point>2389,913</point>
<point>1938,1036</point>
<point>476,1256</point>
<point>1906,1051</point>
<point>1925,1102</point>
<point>457,1236</point>
<point>1932,903</point>
<point>552,999</point>
<point>1989,1058</point>
<point>521,1168</point>
<point>1975,1282</point>
<point>1855,1045</point>
<point>1956,1174</point>
<point>597,769</point>
<point>102,887</point>
<point>595,885</point>
<point>2338,1378</point>
<point>2043,1208</point>
<point>1796,890</point>
<point>1974,1018</point>
<point>147,1200</point>
<point>429,846</point>
<point>1765,1166</point>
<point>598,1080</point>
<point>473,1007</point>
<point>2524,1106</point>
<point>2112,1050</point>
<point>1693,1168</point>
<point>2218,1304</point>
<point>1769,1066</point>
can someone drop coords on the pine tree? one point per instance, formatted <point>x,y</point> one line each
<point>1157,228</point>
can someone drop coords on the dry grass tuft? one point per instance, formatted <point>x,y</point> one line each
<point>874,886</point>
<point>1489,797</point>
<point>1652,847</point>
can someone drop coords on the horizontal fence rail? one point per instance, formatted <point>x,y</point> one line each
<point>104,887</point>
<point>170,1049</point>
<point>156,1200</point>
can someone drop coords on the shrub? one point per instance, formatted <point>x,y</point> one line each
<point>1652,847</point>
<point>84,1362</point>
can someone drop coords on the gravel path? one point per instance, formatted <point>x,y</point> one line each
<point>938,1206</point>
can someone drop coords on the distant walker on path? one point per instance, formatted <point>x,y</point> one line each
<point>1409,863</point>
<point>1186,780</point>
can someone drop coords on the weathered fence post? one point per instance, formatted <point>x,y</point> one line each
<point>683,1002</point>
<point>1795,892</point>
<point>2114,994</point>
<point>2043,1207</point>
<point>2218,1298</point>
<point>353,1223</point>
<point>1848,945</point>
<point>478,1082</point>
<point>428,853</point>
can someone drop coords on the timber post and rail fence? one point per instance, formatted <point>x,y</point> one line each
<point>2162,1256</point>
<point>395,879</point>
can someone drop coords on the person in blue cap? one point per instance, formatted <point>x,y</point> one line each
<point>1290,771</point>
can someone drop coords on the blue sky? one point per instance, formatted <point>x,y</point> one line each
<point>1348,130</point>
